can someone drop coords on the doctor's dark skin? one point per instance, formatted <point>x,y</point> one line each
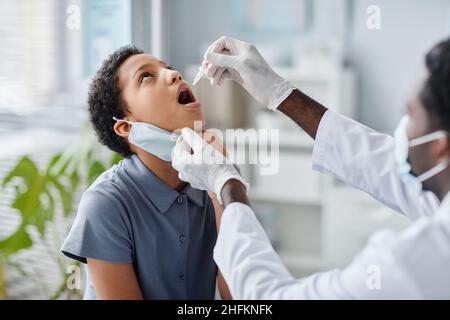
<point>424,157</point>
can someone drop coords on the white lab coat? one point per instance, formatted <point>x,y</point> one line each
<point>412,264</point>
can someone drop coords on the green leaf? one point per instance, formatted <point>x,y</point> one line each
<point>115,159</point>
<point>15,242</point>
<point>66,196</point>
<point>54,161</point>
<point>43,213</point>
<point>28,202</point>
<point>25,169</point>
<point>95,170</point>
<point>37,192</point>
<point>74,180</point>
<point>31,193</point>
<point>51,205</point>
<point>38,220</point>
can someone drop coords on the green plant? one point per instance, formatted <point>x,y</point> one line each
<point>42,194</point>
<point>2,280</point>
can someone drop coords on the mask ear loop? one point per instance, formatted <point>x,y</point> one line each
<point>434,171</point>
<point>129,122</point>
<point>440,166</point>
<point>427,138</point>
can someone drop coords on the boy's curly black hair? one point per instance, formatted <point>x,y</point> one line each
<point>105,101</point>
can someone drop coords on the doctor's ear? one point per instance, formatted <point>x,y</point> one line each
<point>122,128</point>
<point>442,148</point>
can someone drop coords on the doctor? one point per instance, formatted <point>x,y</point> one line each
<point>408,173</point>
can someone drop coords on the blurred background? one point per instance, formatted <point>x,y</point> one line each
<point>330,49</point>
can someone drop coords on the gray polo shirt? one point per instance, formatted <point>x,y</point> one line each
<point>128,215</point>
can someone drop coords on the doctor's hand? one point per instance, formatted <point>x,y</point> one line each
<point>229,58</point>
<point>201,165</point>
<point>212,139</point>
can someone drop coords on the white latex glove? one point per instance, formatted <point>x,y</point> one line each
<point>229,58</point>
<point>205,168</point>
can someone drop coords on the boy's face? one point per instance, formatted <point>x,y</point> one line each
<point>151,90</point>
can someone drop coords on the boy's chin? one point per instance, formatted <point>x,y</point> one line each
<point>197,124</point>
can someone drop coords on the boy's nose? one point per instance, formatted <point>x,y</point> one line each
<point>173,76</point>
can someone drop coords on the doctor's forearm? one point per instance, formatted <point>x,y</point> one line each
<point>305,111</point>
<point>234,191</point>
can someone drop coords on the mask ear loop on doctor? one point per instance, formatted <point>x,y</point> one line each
<point>425,139</point>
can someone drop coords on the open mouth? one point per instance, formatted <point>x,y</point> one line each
<point>185,96</point>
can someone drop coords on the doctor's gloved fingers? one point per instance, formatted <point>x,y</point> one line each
<point>236,76</point>
<point>222,60</point>
<point>185,178</point>
<point>226,43</point>
<point>211,70</point>
<point>179,139</point>
<point>225,75</point>
<point>231,75</point>
<point>181,148</point>
<point>212,137</point>
<point>193,140</point>
<point>214,78</point>
<point>181,157</point>
<point>214,60</point>
<point>218,46</point>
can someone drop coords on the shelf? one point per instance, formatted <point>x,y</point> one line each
<point>295,140</point>
<point>261,196</point>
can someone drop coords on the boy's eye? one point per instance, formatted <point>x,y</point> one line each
<point>145,76</point>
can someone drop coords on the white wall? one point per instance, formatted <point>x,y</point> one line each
<point>388,60</point>
<point>191,24</point>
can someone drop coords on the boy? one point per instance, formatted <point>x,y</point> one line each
<point>143,232</point>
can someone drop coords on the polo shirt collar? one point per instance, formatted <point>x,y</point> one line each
<point>195,195</point>
<point>160,194</point>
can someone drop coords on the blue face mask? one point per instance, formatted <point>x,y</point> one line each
<point>401,149</point>
<point>152,139</point>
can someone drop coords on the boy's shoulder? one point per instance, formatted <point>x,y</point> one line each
<point>112,180</point>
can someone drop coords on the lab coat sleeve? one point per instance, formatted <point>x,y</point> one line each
<point>364,158</point>
<point>253,270</point>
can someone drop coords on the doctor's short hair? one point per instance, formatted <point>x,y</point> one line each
<point>435,92</point>
<point>105,100</point>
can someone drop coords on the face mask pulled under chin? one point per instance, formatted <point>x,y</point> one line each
<point>401,150</point>
<point>152,139</point>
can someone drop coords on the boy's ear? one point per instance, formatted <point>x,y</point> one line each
<point>122,128</point>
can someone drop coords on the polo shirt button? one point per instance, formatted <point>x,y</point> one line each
<point>181,278</point>
<point>180,199</point>
<point>182,238</point>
